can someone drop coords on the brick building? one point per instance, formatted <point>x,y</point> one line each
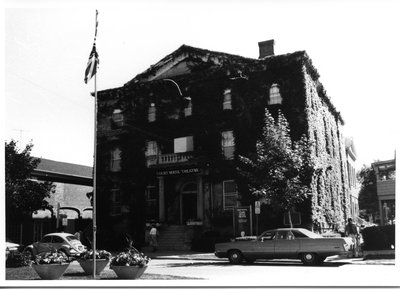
<point>169,140</point>
<point>354,188</point>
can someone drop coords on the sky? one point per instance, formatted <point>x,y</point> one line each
<point>354,45</point>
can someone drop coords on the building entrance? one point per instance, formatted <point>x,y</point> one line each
<point>188,202</point>
<point>189,206</point>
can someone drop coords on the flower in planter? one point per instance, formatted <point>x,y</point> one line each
<point>51,258</point>
<point>100,254</point>
<point>131,257</point>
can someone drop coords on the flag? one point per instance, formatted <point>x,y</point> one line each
<point>91,67</point>
<point>93,61</point>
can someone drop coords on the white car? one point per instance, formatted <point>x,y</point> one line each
<point>59,242</point>
<point>12,248</point>
<point>283,243</point>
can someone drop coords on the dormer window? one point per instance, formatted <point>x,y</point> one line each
<point>274,95</point>
<point>152,112</point>
<point>118,117</point>
<point>227,104</point>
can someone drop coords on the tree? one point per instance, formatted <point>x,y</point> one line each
<point>368,197</point>
<point>23,195</point>
<point>279,170</point>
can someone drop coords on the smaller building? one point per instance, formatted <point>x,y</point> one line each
<point>72,184</point>
<point>354,188</point>
<point>385,172</point>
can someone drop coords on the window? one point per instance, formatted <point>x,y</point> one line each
<point>115,165</point>
<point>57,239</point>
<point>316,142</point>
<point>151,196</point>
<point>188,108</point>
<point>151,148</point>
<point>274,95</point>
<point>183,144</point>
<point>230,196</point>
<point>228,144</point>
<point>118,117</point>
<point>46,239</point>
<point>227,104</point>
<point>152,112</point>
<point>116,202</point>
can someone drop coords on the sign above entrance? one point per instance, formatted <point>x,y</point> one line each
<point>178,172</point>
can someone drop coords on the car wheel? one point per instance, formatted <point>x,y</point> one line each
<point>309,258</point>
<point>235,257</point>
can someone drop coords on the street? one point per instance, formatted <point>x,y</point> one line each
<point>280,272</point>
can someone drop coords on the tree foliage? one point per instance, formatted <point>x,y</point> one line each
<point>368,197</point>
<point>279,170</point>
<point>23,195</point>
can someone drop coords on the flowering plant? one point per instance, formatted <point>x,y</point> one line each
<point>130,257</point>
<point>51,258</point>
<point>100,254</point>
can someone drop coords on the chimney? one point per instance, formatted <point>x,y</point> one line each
<point>266,48</point>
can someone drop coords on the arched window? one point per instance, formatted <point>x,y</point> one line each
<point>188,108</point>
<point>115,165</point>
<point>274,95</point>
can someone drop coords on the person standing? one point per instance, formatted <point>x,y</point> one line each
<point>351,230</point>
<point>153,237</point>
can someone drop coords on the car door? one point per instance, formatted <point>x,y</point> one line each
<point>44,245</point>
<point>286,245</point>
<point>263,247</point>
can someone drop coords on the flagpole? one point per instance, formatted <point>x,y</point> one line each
<point>95,159</point>
<point>94,177</point>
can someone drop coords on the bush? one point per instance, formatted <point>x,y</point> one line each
<point>18,259</point>
<point>206,242</point>
<point>379,237</point>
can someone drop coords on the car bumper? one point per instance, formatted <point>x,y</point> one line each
<point>221,254</point>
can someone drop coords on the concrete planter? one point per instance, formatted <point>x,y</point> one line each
<point>87,265</point>
<point>128,272</point>
<point>50,271</point>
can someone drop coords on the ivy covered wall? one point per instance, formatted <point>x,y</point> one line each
<point>330,198</point>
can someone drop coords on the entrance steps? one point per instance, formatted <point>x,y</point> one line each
<point>173,237</point>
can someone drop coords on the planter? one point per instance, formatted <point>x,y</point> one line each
<point>128,272</point>
<point>87,265</point>
<point>50,271</point>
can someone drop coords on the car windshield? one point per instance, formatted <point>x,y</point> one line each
<point>71,238</point>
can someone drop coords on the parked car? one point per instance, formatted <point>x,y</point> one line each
<point>284,243</point>
<point>60,242</point>
<point>12,248</point>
